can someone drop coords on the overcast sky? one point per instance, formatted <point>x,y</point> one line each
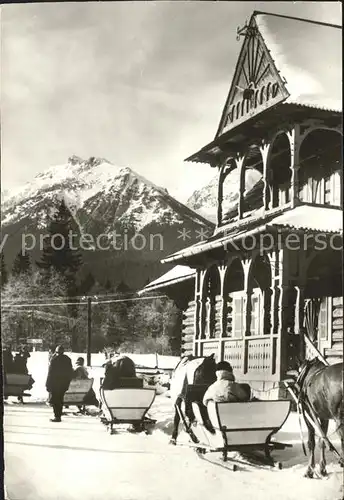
<point>141,84</point>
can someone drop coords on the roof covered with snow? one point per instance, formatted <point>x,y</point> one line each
<point>305,217</point>
<point>320,219</point>
<point>175,275</point>
<point>308,55</point>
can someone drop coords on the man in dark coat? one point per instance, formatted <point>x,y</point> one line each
<point>7,360</point>
<point>20,363</point>
<point>59,376</point>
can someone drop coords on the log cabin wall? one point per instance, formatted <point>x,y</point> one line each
<point>332,324</point>
<point>188,328</point>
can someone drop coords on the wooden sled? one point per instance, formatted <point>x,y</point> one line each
<point>127,406</point>
<point>245,427</point>
<point>16,384</point>
<point>77,391</point>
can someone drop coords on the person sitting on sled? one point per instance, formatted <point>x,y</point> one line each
<point>81,373</point>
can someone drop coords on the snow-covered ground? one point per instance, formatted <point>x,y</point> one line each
<point>177,471</point>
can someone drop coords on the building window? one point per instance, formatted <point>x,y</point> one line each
<point>256,314</point>
<point>323,323</point>
<point>238,315</point>
<point>327,190</point>
<point>316,191</point>
<point>337,189</point>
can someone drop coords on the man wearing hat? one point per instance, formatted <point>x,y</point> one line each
<point>225,389</point>
<point>59,377</point>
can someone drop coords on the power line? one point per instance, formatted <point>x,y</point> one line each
<point>17,306</point>
<point>83,297</point>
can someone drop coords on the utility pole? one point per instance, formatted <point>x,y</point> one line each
<point>89,329</point>
<point>32,330</point>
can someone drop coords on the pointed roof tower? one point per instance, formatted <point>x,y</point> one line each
<point>279,64</point>
<point>255,71</point>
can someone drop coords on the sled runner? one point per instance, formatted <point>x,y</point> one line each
<point>16,384</point>
<point>245,427</point>
<point>127,405</point>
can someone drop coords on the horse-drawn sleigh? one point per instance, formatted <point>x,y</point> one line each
<point>245,427</point>
<point>123,398</point>
<point>80,394</point>
<point>15,384</point>
<point>17,379</point>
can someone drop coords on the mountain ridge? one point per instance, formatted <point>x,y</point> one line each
<point>103,198</point>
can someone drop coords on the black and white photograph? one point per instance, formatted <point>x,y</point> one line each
<point>172,250</point>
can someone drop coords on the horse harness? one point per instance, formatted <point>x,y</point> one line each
<point>300,381</point>
<point>302,400</point>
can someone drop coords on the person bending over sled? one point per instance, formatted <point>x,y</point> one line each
<point>225,389</point>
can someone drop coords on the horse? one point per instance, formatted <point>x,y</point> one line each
<point>321,392</point>
<point>122,367</point>
<point>189,370</point>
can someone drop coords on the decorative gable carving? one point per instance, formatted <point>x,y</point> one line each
<point>256,85</point>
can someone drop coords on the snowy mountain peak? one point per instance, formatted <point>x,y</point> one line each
<point>105,200</point>
<point>204,201</point>
<point>96,189</point>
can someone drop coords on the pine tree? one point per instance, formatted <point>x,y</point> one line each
<point>108,286</point>
<point>57,251</point>
<point>21,264</point>
<point>3,271</point>
<point>87,284</point>
<point>123,288</point>
<point>58,255</point>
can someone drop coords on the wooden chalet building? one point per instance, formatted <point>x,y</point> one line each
<point>280,243</point>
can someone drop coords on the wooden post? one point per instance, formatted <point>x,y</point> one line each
<point>246,266</point>
<point>89,330</point>
<point>222,168</point>
<point>223,311</point>
<point>247,294</point>
<point>264,150</point>
<point>295,142</point>
<point>240,165</point>
<point>197,330</point>
<point>283,285</point>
